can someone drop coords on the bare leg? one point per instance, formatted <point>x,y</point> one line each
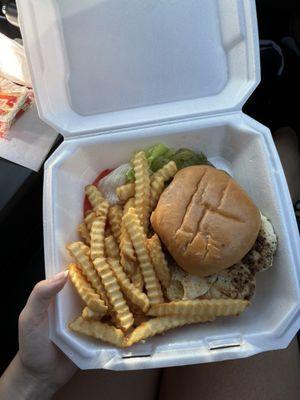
<point>269,376</point>
<point>110,385</point>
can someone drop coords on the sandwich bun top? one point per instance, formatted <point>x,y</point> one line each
<point>206,220</point>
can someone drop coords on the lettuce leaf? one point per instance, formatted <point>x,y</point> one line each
<point>159,155</point>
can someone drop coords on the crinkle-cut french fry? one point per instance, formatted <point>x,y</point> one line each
<point>128,265</point>
<point>97,237</point>
<point>94,195</point>
<point>115,214</point>
<point>159,260</point>
<point>102,209</point>
<point>142,188</point>
<point>159,325</point>
<point>79,251</point>
<point>138,239</point>
<point>131,292</point>
<point>98,202</point>
<point>112,251</point>
<point>88,313</point>
<point>85,248</point>
<point>84,232</point>
<point>85,291</point>
<point>126,247</point>
<point>202,308</point>
<point>114,294</point>
<point>129,204</point>
<point>89,219</point>
<point>157,182</point>
<point>124,192</point>
<point>111,248</point>
<point>137,278</point>
<point>167,172</point>
<point>98,330</point>
<point>157,187</point>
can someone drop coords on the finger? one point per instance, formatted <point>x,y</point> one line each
<point>44,291</point>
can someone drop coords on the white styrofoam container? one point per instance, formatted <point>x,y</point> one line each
<point>116,76</point>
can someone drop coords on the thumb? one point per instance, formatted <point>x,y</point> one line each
<point>44,291</point>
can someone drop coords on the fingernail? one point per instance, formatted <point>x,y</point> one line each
<point>60,276</point>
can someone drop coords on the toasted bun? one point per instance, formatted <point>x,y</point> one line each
<point>206,220</point>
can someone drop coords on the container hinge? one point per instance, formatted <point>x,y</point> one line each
<point>136,356</point>
<point>224,343</point>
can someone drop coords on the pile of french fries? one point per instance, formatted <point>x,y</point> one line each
<point>120,271</point>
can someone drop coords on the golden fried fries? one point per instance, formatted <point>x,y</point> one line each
<point>159,261</point>
<point>128,265</point>
<point>86,292</point>
<point>137,278</point>
<point>125,192</point>
<point>159,325</point>
<point>89,219</point>
<point>138,239</point>
<point>202,308</point>
<point>115,214</point>
<point>94,195</point>
<point>88,313</point>
<point>79,251</point>
<point>142,188</point>
<point>157,182</point>
<point>97,238</point>
<point>128,257</point>
<point>131,292</point>
<point>102,209</point>
<point>84,248</point>
<point>112,251</point>
<point>111,247</point>
<point>126,247</point>
<point>129,204</point>
<point>84,233</point>
<point>114,294</point>
<point>167,172</point>
<point>98,330</point>
<point>157,187</point>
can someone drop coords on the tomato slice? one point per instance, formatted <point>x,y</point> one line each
<point>86,204</point>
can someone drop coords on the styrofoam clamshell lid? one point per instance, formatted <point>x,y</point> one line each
<point>104,64</point>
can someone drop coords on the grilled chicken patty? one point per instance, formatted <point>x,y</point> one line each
<point>236,282</point>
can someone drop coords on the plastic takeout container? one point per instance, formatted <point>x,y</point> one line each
<point>120,75</point>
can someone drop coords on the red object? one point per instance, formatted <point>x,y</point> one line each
<point>12,105</point>
<point>87,205</point>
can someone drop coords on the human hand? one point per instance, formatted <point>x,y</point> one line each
<point>40,368</point>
